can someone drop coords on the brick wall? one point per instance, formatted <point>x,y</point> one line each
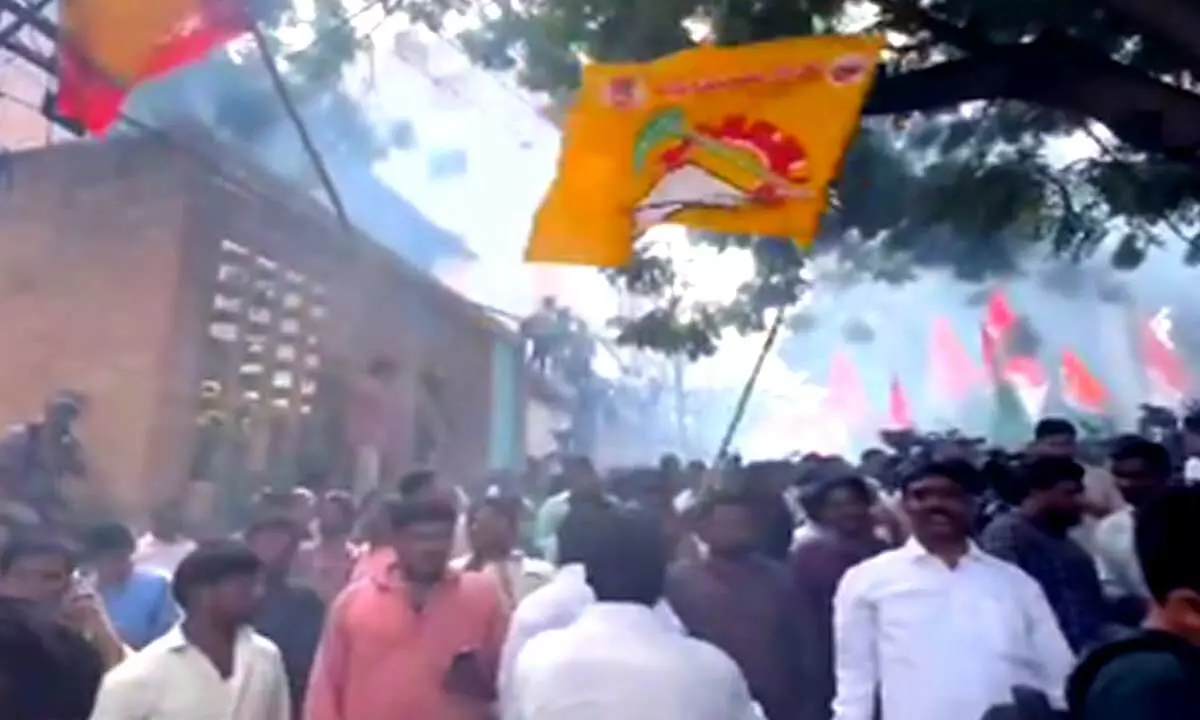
<point>107,263</point>
<point>88,271</point>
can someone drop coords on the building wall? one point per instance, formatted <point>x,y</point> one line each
<point>109,270</point>
<point>88,276</point>
<point>507,449</point>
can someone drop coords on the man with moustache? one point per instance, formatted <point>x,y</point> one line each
<point>939,629</point>
<point>1035,537</point>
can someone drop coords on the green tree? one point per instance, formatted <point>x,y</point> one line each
<point>950,168</point>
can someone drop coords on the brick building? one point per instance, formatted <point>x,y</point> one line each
<point>173,286</point>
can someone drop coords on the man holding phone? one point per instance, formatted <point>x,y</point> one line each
<point>42,572</point>
<point>417,640</point>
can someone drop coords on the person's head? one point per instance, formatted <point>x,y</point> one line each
<point>36,569</point>
<point>1167,528</point>
<point>1191,433</point>
<point>166,522</point>
<point>872,461</point>
<point>1054,492</point>
<point>726,522</point>
<point>577,532</point>
<point>220,582</point>
<point>336,515</point>
<point>302,506</point>
<point>274,540</point>
<point>108,549</point>
<point>272,501</point>
<point>494,526</point>
<point>938,497</point>
<point>842,505</point>
<point>626,556</point>
<point>423,484</point>
<point>63,409</point>
<point>1054,437</point>
<point>1141,467</point>
<point>581,477</point>
<point>423,536</point>
<point>47,670</point>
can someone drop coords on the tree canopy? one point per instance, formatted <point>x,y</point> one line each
<point>954,166</point>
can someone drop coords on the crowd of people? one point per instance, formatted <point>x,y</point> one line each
<point>935,582</point>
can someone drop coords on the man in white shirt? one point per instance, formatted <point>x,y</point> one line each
<point>563,600</point>
<point>212,666</point>
<point>618,660</point>
<point>938,629</point>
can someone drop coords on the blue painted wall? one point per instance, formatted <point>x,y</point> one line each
<point>506,448</point>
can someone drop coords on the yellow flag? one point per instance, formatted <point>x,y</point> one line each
<point>741,139</point>
<point>120,37</point>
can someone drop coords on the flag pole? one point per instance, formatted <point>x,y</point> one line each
<point>306,140</point>
<point>748,389</point>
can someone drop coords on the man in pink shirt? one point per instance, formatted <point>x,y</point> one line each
<point>416,640</point>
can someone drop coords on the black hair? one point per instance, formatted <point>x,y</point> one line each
<point>871,454</point>
<point>509,507</point>
<point>736,494</point>
<point>1165,529</point>
<point>627,561</point>
<point>579,531</point>
<point>211,564</point>
<point>276,522</point>
<point>108,538</point>
<point>46,669</point>
<point>415,482</point>
<point>406,512</point>
<point>1044,473</point>
<point>270,499</point>
<point>816,496</point>
<point>960,472</point>
<point>1153,455</point>
<point>24,547</point>
<point>343,501</point>
<point>1049,427</point>
<point>1191,422</point>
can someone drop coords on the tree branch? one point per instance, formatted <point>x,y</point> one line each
<point>1175,22</point>
<point>1056,71</point>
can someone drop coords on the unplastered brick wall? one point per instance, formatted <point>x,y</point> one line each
<point>89,264</point>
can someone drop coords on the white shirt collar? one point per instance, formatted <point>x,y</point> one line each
<point>912,548</point>
<point>627,615</point>
<point>174,639</point>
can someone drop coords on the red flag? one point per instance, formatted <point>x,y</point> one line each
<point>846,396</point>
<point>107,48</point>
<point>1168,376</point>
<point>1080,387</point>
<point>898,412</point>
<point>1000,319</point>
<point>953,373</point>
